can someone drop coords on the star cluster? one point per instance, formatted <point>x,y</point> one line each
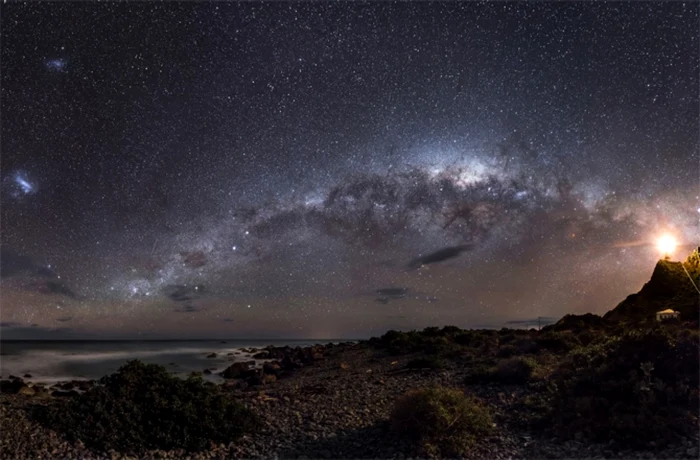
<point>338,169</point>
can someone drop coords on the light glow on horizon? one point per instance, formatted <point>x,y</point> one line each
<point>666,244</point>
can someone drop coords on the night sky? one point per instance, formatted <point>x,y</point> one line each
<point>332,169</point>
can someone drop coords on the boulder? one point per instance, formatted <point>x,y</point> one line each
<point>272,368</point>
<point>254,377</point>
<point>27,391</point>
<point>235,370</point>
<point>211,355</point>
<point>86,385</point>
<point>10,386</point>
<point>41,392</point>
<point>206,372</point>
<point>289,364</point>
<point>27,376</point>
<point>239,384</point>
<point>278,352</point>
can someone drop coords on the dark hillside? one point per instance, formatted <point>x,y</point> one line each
<point>669,287</point>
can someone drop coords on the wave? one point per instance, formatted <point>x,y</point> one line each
<point>92,361</point>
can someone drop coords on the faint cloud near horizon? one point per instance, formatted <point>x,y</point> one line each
<point>539,321</point>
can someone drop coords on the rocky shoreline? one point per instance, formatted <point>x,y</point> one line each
<point>325,401</point>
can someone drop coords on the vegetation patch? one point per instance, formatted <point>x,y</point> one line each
<point>635,388</point>
<point>557,342</point>
<point>431,340</point>
<point>440,421</point>
<point>514,371</point>
<point>143,407</point>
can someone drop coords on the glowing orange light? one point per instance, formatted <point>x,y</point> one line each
<point>666,244</point>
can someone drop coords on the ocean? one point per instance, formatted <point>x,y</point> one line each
<point>56,361</point>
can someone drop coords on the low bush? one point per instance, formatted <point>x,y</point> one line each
<point>398,342</point>
<point>468,339</point>
<point>557,342</point>
<point>479,372</point>
<point>431,341</point>
<point>439,346</point>
<point>526,346</point>
<point>440,421</point>
<point>514,371</point>
<point>450,331</point>
<point>431,332</point>
<point>144,407</point>
<point>506,336</point>
<point>506,351</point>
<point>636,388</point>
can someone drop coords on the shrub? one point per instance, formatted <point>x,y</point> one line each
<point>440,421</point>
<point>479,372</point>
<point>526,345</point>
<point>398,342</point>
<point>507,336</point>
<point>467,339</point>
<point>431,331</point>
<point>450,331</point>
<point>578,323</point>
<point>515,371</point>
<point>475,339</point>
<point>143,407</point>
<point>586,338</point>
<point>637,388</point>
<point>439,346</point>
<point>506,351</point>
<point>430,340</point>
<point>557,342</point>
<point>531,410</point>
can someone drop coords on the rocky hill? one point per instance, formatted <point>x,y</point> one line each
<point>669,287</point>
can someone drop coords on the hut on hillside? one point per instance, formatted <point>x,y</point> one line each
<point>667,314</point>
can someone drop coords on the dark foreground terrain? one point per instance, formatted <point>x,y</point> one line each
<point>619,386</point>
<point>543,395</point>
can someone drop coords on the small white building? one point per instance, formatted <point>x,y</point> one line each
<point>667,314</point>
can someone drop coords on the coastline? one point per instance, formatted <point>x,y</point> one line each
<point>50,362</point>
<point>336,405</point>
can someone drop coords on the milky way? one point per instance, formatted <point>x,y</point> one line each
<point>327,170</point>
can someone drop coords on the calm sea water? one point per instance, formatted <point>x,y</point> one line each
<point>53,361</point>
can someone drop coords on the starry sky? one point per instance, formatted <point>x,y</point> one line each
<point>328,169</point>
